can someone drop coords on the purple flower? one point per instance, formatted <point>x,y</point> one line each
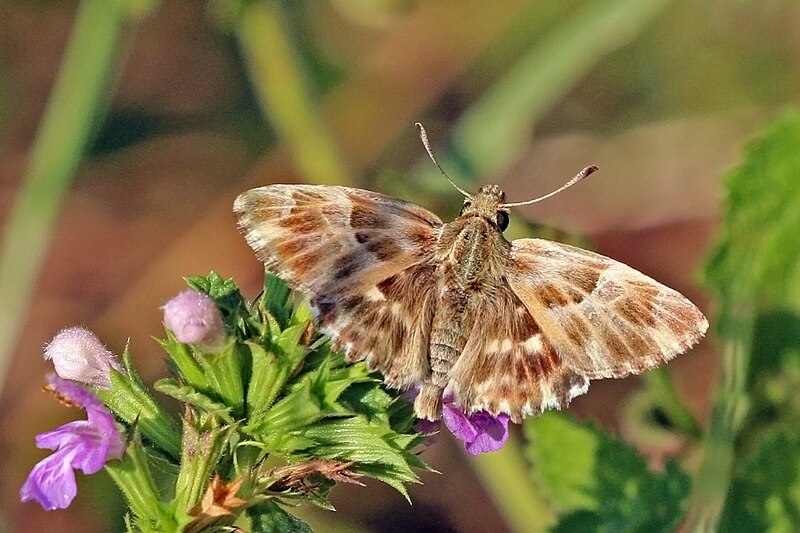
<point>481,432</point>
<point>82,444</point>
<point>195,319</point>
<point>78,354</point>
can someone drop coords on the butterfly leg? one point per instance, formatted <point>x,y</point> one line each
<point>428,404</point>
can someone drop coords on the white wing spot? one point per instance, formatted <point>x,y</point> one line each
<point>533,344</point>
<point>374,295</point>
<point>493,346</point>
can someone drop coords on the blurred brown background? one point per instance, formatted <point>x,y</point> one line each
<point>662,110</point>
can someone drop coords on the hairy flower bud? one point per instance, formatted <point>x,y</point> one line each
<point>195,319</point>
<point>78,355</point>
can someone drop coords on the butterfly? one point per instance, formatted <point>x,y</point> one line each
<point>456,309</point>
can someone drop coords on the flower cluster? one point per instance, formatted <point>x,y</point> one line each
<point>255,374</point>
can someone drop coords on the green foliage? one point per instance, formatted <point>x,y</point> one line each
<point>274,413</point>
<point>270,518</point>
<point>765,493</point>
<point>598,482</point>
<point>755,263</point>
<point>755,273</point>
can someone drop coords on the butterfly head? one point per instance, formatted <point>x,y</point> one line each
<point>489,204</point>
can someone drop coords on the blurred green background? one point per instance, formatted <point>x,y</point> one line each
<point>128,127</point>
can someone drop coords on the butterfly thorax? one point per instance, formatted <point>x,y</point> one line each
<point>471,255</point>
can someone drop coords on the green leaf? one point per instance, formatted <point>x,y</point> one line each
<point>213,285</point>
<point>599,482</point>
<point>268,517</point>
<point>302,406</point>
<point>553,438</point>
<point>226,295</point>
<point>765,493</point>
<point>378,451</point>
<point>275,301</point>
<point>267,378</point>
<point>188,395</point>
<point>758,255</point>
<point>224,373</point>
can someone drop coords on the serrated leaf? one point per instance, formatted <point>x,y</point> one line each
<point>268,517</point>
<point>267,378</point>
<point>758,256</point>
<point>213,285</point>
<point>599,480</point>
<point>189,395</point>
<point>302,406</point>
<point>377,451</point>
<point>301,314</point>
<point>274,301</point>
<point>225,294</point>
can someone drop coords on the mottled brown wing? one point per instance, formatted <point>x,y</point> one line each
<point>364,261</point>
<point>604,318</point>
<point>509,366</point>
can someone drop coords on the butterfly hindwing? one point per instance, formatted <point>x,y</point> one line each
<point>509,366</point>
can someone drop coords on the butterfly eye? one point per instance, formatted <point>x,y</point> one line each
<point>466,206</point>
<point>502,220</point>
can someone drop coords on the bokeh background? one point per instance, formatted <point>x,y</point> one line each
<point>172,108</point>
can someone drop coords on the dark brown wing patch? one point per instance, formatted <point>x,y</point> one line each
<point>388,326</point>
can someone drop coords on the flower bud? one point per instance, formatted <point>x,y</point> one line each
<point>78,355</point>
<point>195,319</point>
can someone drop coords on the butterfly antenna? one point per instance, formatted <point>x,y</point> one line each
<point>423,135</point>
<point>578,177</point>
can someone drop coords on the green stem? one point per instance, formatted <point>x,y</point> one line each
<point>285,96</point>
<point>76,105</point>
<point>132,476</point>
<point>711,482</point>
<point>505,474</point>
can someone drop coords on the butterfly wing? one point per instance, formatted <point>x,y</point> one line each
<point>364,260</point>
<point>605,318</point>
<point>509,366</point>
<point>562,316</point>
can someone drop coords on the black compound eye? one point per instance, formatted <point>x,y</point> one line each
<point>502,220</point>
<point>466,206</point>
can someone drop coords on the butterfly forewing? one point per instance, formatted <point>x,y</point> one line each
<point>364,260</point>
<point>605,318</point>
